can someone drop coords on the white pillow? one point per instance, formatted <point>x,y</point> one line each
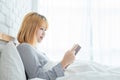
<point>11,66</point>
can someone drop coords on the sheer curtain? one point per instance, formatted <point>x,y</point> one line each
<point>105,17</point>
<point>94,24</point>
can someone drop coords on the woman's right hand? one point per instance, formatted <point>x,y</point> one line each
<point>68,58</point>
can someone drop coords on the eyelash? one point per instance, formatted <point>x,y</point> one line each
<point>42,29</point>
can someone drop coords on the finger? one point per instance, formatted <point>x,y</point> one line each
<point>74,47</point>
<point>73,51</point>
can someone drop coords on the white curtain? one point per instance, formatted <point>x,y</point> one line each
<point>105,17</point>
<point>94,24</point>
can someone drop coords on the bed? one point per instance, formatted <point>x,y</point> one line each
<point>11,66</point>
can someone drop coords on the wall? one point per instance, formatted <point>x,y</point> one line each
<point>12,13</point>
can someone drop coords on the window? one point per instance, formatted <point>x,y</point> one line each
<point>94,24</point>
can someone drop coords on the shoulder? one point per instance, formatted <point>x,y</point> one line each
<point>25,46</point>
<point>26,49</point>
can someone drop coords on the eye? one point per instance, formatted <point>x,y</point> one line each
<point>43,29</point>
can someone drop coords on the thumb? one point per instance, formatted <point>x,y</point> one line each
<point>73,51</point>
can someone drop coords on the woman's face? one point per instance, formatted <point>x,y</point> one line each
<point>41,33</point>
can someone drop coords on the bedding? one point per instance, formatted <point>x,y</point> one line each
<point>90,71</point>
<point>11,66</point>
<point>85,70</point>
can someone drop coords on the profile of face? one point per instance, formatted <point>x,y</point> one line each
<point>33,28</point>
<point>40,33</point>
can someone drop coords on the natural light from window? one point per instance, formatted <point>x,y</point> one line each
<point>94,24</point>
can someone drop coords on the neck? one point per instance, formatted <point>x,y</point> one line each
<point>34,44</point>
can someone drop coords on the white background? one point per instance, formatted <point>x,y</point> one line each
<point>94,24</point>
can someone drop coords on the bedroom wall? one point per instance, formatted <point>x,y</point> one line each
<point>12,12</point>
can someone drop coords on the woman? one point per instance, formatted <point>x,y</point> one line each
<point>31,33</point>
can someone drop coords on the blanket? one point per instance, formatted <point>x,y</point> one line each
<point>85,70</point>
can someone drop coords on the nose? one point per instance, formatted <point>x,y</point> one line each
<point>43,33</point>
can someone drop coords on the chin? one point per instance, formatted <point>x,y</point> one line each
<point>39,41</point>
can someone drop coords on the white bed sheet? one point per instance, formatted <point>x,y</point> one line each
<point>90,71</point>
<point>87,71</point>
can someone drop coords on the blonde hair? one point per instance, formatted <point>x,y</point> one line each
<point>32,21</point>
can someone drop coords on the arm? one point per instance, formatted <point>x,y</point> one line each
<point>34,68</point>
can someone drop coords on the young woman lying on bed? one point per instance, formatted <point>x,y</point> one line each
<point>31,33</point>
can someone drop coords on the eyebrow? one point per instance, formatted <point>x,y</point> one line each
<point>43,28</point>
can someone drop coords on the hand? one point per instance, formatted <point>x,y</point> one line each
<point>68,58</point>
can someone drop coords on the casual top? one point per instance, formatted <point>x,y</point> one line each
<point>34,62</point>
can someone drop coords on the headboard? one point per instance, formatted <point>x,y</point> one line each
<point>6,38</point>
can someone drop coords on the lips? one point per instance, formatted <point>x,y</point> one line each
<point>41,37</point>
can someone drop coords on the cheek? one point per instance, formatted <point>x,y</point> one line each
<point>39,33</point>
